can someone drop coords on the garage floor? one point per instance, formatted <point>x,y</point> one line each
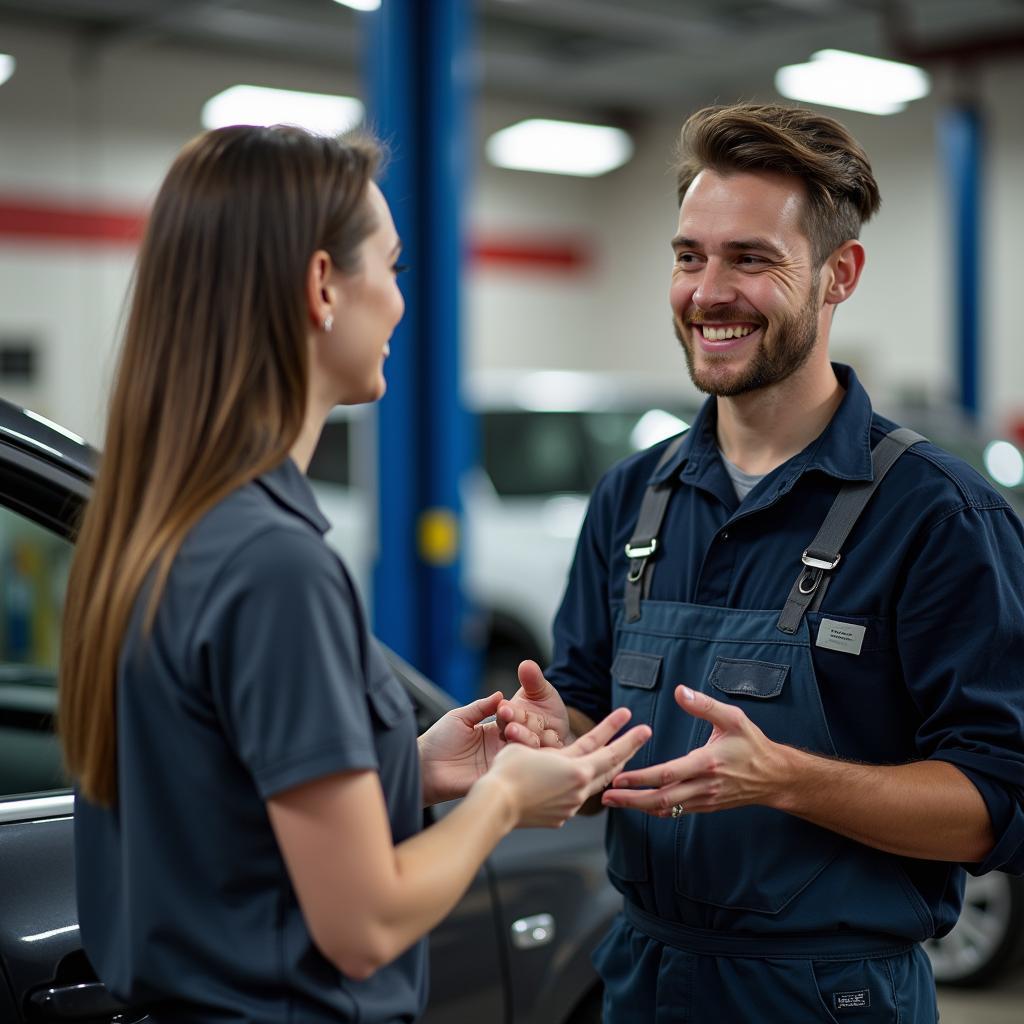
<point>1003,1004</point>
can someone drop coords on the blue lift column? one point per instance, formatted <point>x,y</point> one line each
<point>962,139</point>
<point>418,66</point>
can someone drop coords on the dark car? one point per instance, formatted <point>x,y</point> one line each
<point>515,949</point>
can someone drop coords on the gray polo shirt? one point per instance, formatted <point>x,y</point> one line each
<point>259,675</point>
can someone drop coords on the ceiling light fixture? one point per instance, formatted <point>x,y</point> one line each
<point>256,104</point>
<point>360,5</point>
<point>7,66</point>
<point>851,81</point>
<point>560,147</point>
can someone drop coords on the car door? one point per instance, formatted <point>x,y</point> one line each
<point>44,971</point>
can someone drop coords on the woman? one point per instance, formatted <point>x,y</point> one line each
<point>248,843</point>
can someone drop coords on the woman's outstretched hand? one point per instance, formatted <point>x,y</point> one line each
<point>546,786</point>
<point>458,748</point>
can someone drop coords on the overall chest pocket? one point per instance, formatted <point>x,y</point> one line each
<point>742,678</point>
<point>635,679</point>
<point>756,858</point>
<point>780,698</point>
<point>636,676</point>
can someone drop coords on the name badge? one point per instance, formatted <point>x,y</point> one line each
<point>841,636</point>
<point>859,1000</point>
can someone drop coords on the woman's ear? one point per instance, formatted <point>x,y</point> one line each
<point>843,268</point>
<point>321,294</point>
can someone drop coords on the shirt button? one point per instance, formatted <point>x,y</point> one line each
<point>725,535</point>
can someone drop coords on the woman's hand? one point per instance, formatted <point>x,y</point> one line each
<point>458,748</point>
<point>546,786</point>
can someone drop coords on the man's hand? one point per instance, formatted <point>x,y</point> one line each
<point>535,716</point>
<point>458,748</point>
<point>925,809</point>
<point>737,766</point>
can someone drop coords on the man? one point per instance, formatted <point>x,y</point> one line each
<point>849,736</point>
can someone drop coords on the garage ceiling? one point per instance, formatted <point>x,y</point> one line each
<point>617,58</point>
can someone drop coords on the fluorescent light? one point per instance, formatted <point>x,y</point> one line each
<point>7,66</point>
<point>360,5</point>
<point>254,104</point>
<point>655,425</point>
<point>836,78</point>
<point>1004,463</point>
<point>560,147</point>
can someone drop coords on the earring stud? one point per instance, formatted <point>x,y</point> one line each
<point>328,323</point>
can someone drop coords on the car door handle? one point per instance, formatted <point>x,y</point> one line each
<point>531,932</point>
<point>78,1002</point>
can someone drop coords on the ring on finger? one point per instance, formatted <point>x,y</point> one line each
<point>678,810</point>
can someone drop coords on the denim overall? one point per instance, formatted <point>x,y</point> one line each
<point>749,915</point>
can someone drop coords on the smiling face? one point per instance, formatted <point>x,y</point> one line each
<point>745,293</point>
<point>369,308</point>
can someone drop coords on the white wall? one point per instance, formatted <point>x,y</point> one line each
<point>897,329</point>
<point>96,129</point>
<point>90,129</point>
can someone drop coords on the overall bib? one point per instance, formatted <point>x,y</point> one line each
<point>749,915</point>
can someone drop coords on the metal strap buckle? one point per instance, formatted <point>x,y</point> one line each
<point>819,563</point>
<point>644,551</point>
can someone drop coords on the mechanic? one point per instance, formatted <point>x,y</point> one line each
<point>850,736</point>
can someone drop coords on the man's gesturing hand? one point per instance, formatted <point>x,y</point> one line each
<point>737,766</point>
<point>535,716</point>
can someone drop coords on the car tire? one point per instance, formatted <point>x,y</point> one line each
<point>989,937</point>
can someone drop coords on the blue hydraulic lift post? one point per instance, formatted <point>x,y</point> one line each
<point>418,65</point>
<point>448,72</point>
<point>962,136</point>
<point>389,71</point>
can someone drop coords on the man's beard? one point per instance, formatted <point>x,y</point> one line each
<point>792,342</point>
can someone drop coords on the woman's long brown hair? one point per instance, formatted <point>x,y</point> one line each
<point>210,389</point>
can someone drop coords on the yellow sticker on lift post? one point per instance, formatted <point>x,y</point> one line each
<point>437,536</point>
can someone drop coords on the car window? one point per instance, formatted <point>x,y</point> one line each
<point>33,576</point>
<point>529,454</point>
<point>534,453</point>
<point>330,461</point>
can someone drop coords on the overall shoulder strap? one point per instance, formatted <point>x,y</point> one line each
<point>825,551</point>
<point>644,542</point>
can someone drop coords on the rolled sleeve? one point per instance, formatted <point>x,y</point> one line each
<point>961,642</point>
<point>280,644</point>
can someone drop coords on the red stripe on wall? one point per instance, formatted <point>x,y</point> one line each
<point>66,224</point>
<point>58,223</point>
<point>535,254</point>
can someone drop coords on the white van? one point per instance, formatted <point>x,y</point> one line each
<point>545,439</point>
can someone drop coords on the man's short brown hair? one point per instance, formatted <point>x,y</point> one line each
<point>841,190</point>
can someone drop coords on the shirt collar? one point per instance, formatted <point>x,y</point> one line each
<point>290,487</point>
<point>842,450</point>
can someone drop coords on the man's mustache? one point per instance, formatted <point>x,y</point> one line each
<point>723,315</point>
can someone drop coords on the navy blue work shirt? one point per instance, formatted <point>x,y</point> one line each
<point>259,676</point>
<point>933,570</point>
